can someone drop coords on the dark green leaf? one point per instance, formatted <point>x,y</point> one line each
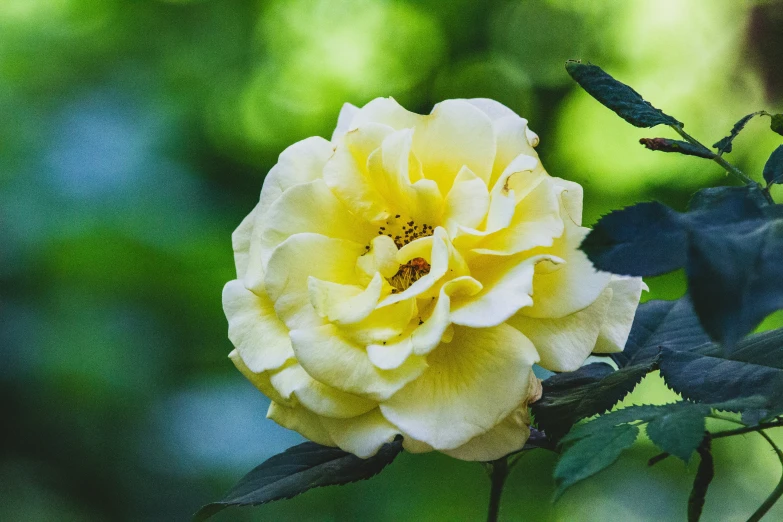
<point>704,476</point>
<point>650,239</point>
<point>620,98</point>
<point>646,239</point>
<point>735,276</point>
<point>298,469</point>
<point>679,431</point>
<point>570,397</point>
<point>777,123</point>
<point>662,324</point>
<point>765,349</point>
<point>773,170</point>
<point>724,145</point>
<point>588,456</point>
<point>682,147</point>
<point>711,379</point>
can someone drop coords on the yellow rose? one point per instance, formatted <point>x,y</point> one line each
<point>404,277</point>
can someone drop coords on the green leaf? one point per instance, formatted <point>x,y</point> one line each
<point>588,456</point>
<point>679,431</point>
<point>735,277</point>
<point>701,482</point>
<point>617,96</point>
<point>777,123</point>
<point>646,239</point>
<point>662,324</point>
<point>711,379</point>
<point>773,170</point>
<point>570,397</point>
<point>682,147</point>
<point>299,469</point>
<point>725,144</point>
<point>650,239</point>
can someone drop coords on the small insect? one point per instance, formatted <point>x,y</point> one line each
<point>409,273</point>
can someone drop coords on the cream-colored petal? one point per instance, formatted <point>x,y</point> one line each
<point>471,385</point>
<point>294,382</point>
<point>467,202</point>
<point>259,380</point>
<point>302,162</point>
<point>513,139</point>
<point>387,112</point>
<point>302,421</point>
<point>383,324</point>
<point>504,195</point>
<point>294,261</point>
<point>392,354</point>
<point>333,360</point>
<point>626,292</point>
<point>344,304</point>
<point>347,175</point>
<point>564,343</point>
<point>364,435</point>
<point>254,328</point>
<point>310,207</point>
<point>536,223</point>
<point>508,285</point>
<point>508,436</point>
<point>571,196</point>
<point>344,119</point>
<point>454,135</point>
<point>494,109</point>
<point>399,173</point>
<point>381,257</point>
<point>240,241</point>
<point>572,285</point>
<point>427,336</point>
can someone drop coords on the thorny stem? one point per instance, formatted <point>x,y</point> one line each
<point>498,473</point>
<point>731,169</point>
<point>777,492</point>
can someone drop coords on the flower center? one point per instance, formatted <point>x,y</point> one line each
<point>403,232</point>
<point>409,273</point>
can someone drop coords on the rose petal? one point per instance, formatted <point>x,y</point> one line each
<point>471,385</point>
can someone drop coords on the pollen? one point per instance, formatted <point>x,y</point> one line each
<point>408,274</point>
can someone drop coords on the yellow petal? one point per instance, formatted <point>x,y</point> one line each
<point>254,329</point>
<point>454,135</point>
<point>513,139</point>
<point>381,257</point>
<point>572,285</point>
<point>565,342</point>
<point>508,436</point>
<point>347,175</point>
<point>259,380</point>
<point>344,304</point>
<point>304,422</point>
<point>294,382</point>
<point>344,119</point>
<point>571,197</point>
<point>536,223</point>
<point>471,385</point>
<point>467,202</point>
<point>383,324</point>
<point>302,162</point>
<point>427,336</point>
<point>331,359</point>
<point>507,286</point>
<point>294,261</point>
<point>240,241</point>
<point>364,435</point>
<point>626,292</point>
<point>310,207</point>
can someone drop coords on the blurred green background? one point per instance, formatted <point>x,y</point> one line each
<point>134,137</point>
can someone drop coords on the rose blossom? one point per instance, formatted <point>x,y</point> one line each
<point>404,277</point>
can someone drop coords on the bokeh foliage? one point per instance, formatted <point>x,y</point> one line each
<point>134,137</point>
